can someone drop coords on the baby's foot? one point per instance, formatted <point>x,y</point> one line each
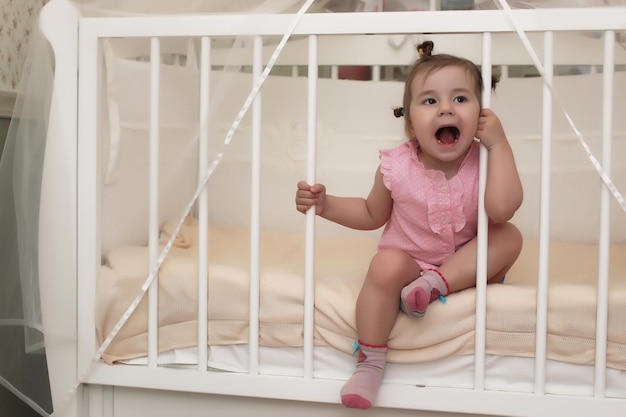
<point>362,387</point>
<point>417,296</point>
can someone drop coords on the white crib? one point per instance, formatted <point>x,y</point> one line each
<point>102,212</point>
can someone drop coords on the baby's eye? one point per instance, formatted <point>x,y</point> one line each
<point>460,99</point>
<point>430,101</point>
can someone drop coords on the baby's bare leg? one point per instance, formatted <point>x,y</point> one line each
<point>377,306</point>
<point>376,313</point>
<point>503,248</point>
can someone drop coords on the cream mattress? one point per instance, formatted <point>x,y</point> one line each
<point>341,263</point>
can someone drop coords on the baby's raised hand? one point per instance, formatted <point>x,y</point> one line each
<point>490,130</point>
<point>310,195</point>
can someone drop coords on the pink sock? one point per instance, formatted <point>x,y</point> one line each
<point>417,296</point>
<point>362,387</point>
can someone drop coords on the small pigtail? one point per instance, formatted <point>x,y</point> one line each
<point>425,48</point>
<point>398,111</point>
<point>495,79</point>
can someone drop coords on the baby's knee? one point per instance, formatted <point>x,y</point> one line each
<point>391,266</point>
<point>508,235</point>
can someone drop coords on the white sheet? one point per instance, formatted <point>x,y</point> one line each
<point>501,372</point>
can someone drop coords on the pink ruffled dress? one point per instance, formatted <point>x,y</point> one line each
<point>431,217</point>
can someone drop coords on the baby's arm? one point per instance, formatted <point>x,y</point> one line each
<point>354,212</point>
<point>503,194</point>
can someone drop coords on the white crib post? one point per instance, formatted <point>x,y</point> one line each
<point>257,69</point>
<point>89,195</point>
<point>153,294</point>
<point>203,203</point>
<point>544,217</point>
<point>481,261</point>
<point>70,196</point>
<point>605,231</point>
<point>309,277</point>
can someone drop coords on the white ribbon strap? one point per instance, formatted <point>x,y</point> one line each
<point>594,161</point>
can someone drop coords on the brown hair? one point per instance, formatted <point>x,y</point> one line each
<point>425,48</point>
<point>429,64</point>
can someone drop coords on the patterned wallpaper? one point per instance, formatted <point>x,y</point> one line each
<point>16,21</point>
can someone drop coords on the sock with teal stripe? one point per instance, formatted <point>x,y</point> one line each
<point>417,296</point>
<point>362,387</point>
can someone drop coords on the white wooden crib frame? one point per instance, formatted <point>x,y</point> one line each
<point>71,199</point>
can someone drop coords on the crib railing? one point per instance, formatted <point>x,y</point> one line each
<point>486,23</point>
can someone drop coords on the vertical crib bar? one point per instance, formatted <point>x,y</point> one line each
<point>605,231</point>
<point>153,294</point>
<point>481,261</point>
<point>544,217</point>
<point>203,203</point>
<point>257,69</point>
<point>309,277</point>
<point>375,72</point>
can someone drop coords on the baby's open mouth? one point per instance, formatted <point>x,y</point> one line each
<point>447,135</point>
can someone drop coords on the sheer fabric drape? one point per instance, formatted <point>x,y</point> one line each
<point>23,338</point>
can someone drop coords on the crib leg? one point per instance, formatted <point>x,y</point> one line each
<point>97,401</point>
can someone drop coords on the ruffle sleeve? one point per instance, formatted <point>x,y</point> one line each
<point>386,166</point>
<point>395,160</point>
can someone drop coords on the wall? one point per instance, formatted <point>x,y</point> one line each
<point>4,127</point>
<point>16,22</point>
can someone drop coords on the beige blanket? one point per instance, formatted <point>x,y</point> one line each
<point>341,263</point>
